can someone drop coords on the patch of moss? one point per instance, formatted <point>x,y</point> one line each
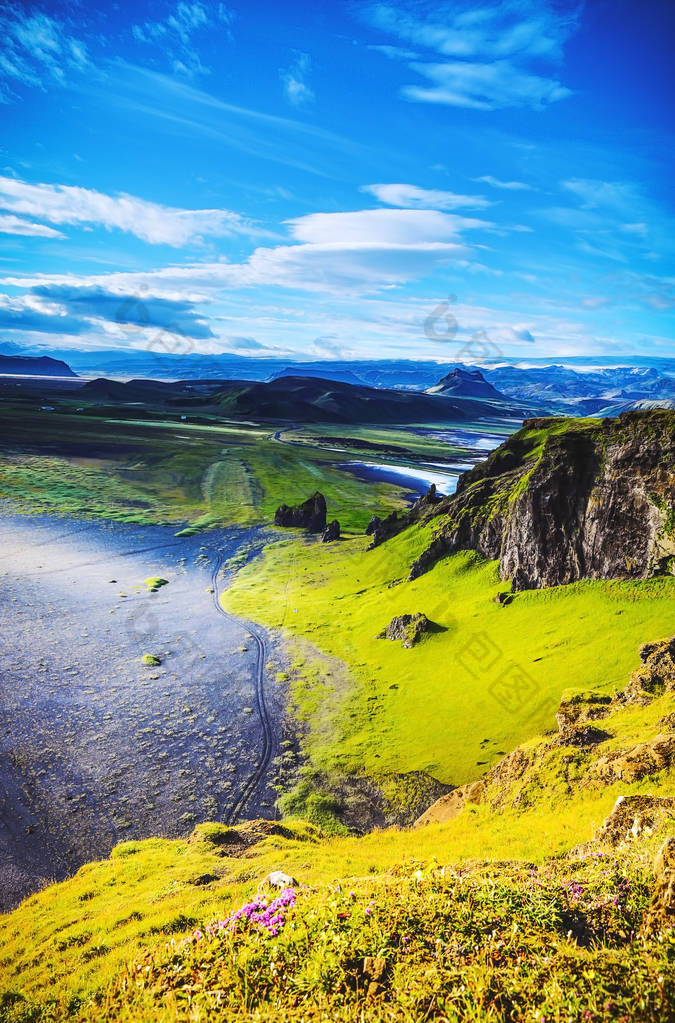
<point>155,583</point>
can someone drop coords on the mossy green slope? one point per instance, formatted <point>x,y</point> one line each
<point>453,704</point>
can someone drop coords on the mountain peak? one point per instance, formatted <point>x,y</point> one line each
<point>470,383</point>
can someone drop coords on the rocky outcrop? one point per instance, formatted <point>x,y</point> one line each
<point>310,515</point>
<point>633,817</point>
<point>655,675</point>
<point>660,915</point>
<point>641,761</point>
<point>410,629</point>
<point>451,805</point>
<point>331,532</point>
<point>563,500</point>
<point>384,529</point>
<point>374,523</point>
<point>576,756</point>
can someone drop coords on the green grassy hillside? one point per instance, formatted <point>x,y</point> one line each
<point>484,917</point>
<point>454,704</point>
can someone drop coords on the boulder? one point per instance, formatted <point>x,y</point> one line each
<point>408,628</point>
<point>331,532</point>
<point>278,879</point>
<point>310,515</point>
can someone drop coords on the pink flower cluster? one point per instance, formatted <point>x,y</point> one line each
<point>270,917</point>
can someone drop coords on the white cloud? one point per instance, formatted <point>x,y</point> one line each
<point>151,222</point>
<point>527,29</point>
<point>412,197</point>
<point>382,227</point>
<point>641,230</point>
<point>10,224</point>
<point>174,34</point>
<point>359,252</point>
<point>37,50</point>
<point>294,80</point>
<point>496,50</point>
<point>511,186</point>
<point>616,195</point>
<point>484,86</point>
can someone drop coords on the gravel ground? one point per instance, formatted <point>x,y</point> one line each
<point>95,746</point>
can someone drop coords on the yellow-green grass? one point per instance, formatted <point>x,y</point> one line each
<point>70,939</point>
<point>433,707</point>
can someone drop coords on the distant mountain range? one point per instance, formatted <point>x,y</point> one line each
<point>578,386</point>
<point>296,399</point>
<point>585,393</point>
<point>42,366</point>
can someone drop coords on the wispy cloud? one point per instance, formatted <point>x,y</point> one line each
<point>481,86</point>
<point>413,197</point>
<point>173,34</point>
<point>191,111</point>
<point>616,195</point>
<point>37,50</point>
<point>10,224</point>
<point>509,186</point>
<point>615,219</point>
<point>491,54</point>
<point>149,221</point>
<point>294,79</point>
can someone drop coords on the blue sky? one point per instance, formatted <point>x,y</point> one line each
<point>448,180</point>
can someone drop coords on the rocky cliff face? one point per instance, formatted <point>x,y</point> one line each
<point>564,500</point>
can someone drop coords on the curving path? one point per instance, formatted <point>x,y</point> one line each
<point>95,747</point>
<point>257,775</point>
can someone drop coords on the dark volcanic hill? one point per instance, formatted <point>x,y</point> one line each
<point>563,500</point>
<point>296,399</point>
<point>313,399</point>
<point>38,366</point>
<point>467,383</point>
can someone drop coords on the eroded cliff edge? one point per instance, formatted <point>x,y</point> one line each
<point>563,500</point>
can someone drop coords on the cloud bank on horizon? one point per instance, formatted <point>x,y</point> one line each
<point>314,182</point>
